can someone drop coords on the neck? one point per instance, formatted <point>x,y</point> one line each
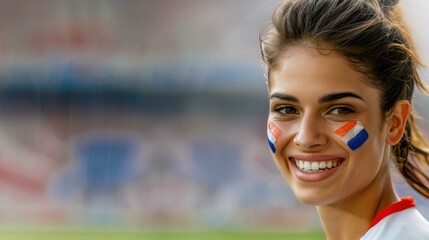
<point>357,211</point>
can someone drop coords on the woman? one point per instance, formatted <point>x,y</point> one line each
<point>341,75</point>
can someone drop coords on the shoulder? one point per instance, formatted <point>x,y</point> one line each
<point>406,224</point>
<point>414,225</point>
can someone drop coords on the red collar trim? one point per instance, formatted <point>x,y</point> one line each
<point>404,203</point>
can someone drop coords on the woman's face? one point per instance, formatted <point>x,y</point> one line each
<point>311,96</point>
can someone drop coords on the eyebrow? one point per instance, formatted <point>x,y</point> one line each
<point>284,96</point>
<point>335,96</point>
<point>326,98</point>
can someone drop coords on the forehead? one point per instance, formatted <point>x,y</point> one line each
<point>308,67</point>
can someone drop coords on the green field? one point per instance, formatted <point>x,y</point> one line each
<point>127,235</point>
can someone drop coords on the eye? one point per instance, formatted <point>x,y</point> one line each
<point>341,111</point>
<point>286,110</point>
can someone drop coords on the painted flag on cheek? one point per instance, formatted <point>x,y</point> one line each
<point>273,133</point>
<point>353,134</point>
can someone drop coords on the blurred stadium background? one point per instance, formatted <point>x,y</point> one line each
<point>144,116</point>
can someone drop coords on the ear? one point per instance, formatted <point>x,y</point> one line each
<point>397,121</point>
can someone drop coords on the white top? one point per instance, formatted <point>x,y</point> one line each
<point>400,220</point>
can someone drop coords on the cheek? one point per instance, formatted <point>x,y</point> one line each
<point>273,133</point>
<point>353,134</point>
<point>279,134</point>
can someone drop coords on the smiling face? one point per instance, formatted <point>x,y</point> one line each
<point>311,97</point>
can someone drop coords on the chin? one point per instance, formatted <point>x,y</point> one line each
<point>310,200</point>
<point>315,197</point>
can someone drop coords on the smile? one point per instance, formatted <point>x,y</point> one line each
<point>317,166</point>
<point>314,168</point>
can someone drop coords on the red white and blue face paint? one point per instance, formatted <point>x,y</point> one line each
<point>353,134</point>
<point>273,133</point>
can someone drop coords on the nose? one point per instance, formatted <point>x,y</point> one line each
<point>310,134</point>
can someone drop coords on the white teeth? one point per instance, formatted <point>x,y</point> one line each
<point>314,166</point>
<point>307,166</point>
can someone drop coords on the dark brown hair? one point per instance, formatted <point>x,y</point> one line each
<point>372,35</point>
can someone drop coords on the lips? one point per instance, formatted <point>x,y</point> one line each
<point>315,168</point>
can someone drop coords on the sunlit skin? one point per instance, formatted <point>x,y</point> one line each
<point>312,95</point>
